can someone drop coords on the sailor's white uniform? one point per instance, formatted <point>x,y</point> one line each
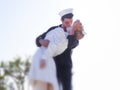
<point>58,44</point>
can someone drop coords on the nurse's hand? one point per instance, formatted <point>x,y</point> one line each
<point>42,64</point>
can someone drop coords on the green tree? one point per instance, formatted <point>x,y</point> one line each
<point>17,69</point>
<point>2,77</point>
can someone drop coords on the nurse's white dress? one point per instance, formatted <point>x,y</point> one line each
<point>58,44</point>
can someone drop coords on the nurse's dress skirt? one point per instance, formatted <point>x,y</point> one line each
<point>58,44</point>
<point>47,74</point>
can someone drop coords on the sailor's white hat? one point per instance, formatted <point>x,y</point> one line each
<point>65,12</point>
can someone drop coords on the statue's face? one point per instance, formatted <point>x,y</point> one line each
<point>67,22</point>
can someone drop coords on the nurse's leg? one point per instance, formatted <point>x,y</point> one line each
<point>50,86</point>
<point>40,85</point>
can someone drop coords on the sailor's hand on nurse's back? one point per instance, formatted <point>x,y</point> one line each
<point>44,42</point>
<point>42,64</point>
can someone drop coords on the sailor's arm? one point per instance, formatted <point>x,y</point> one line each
<point>41,41</point>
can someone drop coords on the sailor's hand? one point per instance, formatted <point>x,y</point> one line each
<point>42,64</point>
<point>44,42</point>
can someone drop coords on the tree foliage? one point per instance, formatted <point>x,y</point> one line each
<point>17,69</point>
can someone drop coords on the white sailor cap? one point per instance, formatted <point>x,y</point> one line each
<point>65,12</point>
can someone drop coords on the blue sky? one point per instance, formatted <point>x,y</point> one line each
<point>96,59</point>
